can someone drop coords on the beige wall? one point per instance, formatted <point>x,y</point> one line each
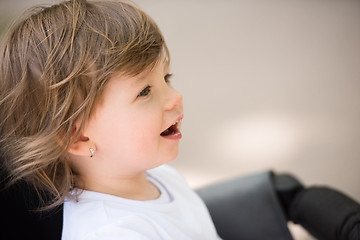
<point>267,84</point>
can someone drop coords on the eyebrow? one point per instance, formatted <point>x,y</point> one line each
<point>141,77</point>
<point>134,80</point>
<point>166,66</point>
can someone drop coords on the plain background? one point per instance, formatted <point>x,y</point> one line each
<point>267,84</point>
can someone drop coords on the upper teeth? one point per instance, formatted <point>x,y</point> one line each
<point>176,122</point>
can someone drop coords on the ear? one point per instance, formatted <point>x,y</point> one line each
<point>82,145</point>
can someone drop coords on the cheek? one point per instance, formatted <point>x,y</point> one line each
<point>146,132</point>
<point>141,133</point>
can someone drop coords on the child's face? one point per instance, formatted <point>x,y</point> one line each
<point>127,124</point>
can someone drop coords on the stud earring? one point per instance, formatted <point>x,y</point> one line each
<point>92,151</point>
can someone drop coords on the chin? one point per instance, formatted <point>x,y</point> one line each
<point>169,157</point>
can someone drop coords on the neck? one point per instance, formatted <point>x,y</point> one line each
<point>136,187</point>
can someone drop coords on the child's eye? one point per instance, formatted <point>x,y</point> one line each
<point>145,92</point>
<point>167,77</point>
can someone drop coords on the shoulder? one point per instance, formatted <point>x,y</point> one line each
<point>91,218</point>
<point>81,215</point>
<point>129,227</point>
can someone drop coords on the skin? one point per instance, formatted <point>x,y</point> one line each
<point>125,132</point>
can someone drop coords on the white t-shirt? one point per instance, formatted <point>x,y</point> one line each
<point>178,213</point>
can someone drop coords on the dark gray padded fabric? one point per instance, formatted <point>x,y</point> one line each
<point>327,213</point>
<point>246,208</point>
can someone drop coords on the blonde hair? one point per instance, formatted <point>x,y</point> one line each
<point>54,65</point>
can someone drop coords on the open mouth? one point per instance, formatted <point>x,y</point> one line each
<point>173,129</point>
<point>173,132</point>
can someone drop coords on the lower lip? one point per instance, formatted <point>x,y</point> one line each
<point>175,136</point>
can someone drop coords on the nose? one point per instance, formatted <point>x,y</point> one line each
<point>173,100</point>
